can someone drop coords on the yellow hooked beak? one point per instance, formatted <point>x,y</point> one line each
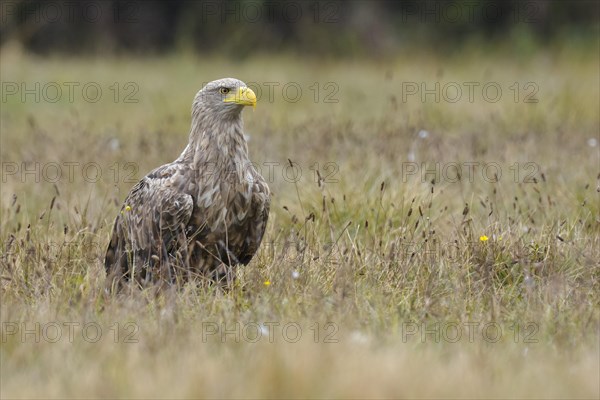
<point>243,96</point>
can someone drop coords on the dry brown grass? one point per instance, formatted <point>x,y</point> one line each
<point>374,260</point>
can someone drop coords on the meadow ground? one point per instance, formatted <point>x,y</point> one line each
<point>428,241</point>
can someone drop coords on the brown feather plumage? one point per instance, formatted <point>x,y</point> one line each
<point>200,215</point>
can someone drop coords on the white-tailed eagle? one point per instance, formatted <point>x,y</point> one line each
<point>202,214</point>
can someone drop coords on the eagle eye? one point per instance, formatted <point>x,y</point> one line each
<point>224,90</point>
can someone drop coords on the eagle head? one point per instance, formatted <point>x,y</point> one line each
<point>223,98</point>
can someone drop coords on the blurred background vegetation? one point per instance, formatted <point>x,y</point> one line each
<point>238,28</point>
<point>369,247</point>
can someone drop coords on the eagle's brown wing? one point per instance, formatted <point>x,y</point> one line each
<point>256,221</point>
<point>150,230</point>
<point>229,226</point>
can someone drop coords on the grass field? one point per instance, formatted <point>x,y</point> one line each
<point>446,247</point>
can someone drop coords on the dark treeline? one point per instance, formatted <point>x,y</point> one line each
<point>309,27</point>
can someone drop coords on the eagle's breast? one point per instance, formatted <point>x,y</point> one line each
<point>228,199</point>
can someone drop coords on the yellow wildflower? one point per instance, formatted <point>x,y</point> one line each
<point>483,238</point>
<point>267,283</point>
